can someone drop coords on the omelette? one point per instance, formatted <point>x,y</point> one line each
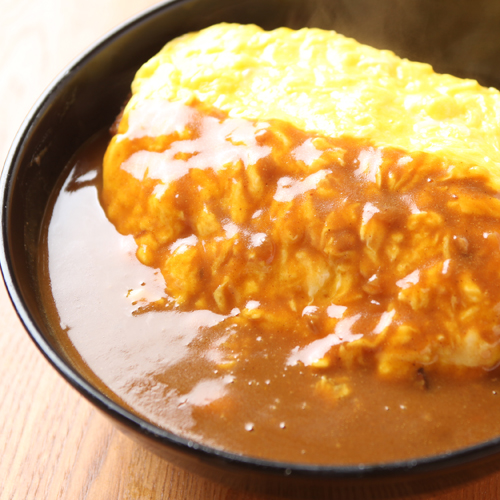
<point>305,185</point>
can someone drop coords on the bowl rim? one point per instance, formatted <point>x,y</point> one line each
<point>387,470</point>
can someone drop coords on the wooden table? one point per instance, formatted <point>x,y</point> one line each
<point>53,443</point>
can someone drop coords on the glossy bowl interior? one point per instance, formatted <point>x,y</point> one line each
<point>454,36</point>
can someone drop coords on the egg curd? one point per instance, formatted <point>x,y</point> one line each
<point>310,187</point>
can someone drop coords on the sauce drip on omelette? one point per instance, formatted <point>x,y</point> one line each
<point>351,206</point>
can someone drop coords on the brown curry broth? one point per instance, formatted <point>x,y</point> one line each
<point>375,220</point>
<point>148,361</point>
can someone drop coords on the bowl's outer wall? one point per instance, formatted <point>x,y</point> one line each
<point>454,36</point>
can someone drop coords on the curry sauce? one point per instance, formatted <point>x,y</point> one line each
<point>365,255</point>
<point>251,381</point>
<point>289,250</point>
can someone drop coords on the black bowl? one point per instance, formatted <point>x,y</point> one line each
<point>452,35</point>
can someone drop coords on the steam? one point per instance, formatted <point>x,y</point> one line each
<point>454,36</point>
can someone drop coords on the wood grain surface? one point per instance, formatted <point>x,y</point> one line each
<point>53,443</point>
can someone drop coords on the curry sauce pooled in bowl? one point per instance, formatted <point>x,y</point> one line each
<point>332,211</point>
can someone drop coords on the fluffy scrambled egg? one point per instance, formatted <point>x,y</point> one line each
<point>322,81</point>
<point>303,184</point>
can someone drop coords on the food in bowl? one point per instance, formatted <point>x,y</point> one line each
<point>315,225</point>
